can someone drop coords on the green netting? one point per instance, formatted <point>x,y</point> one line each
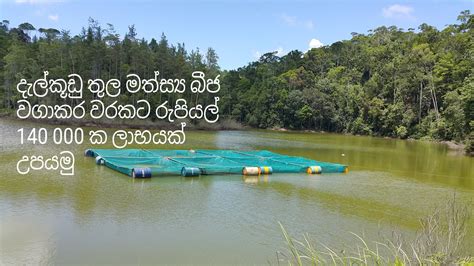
<point>171,162</point>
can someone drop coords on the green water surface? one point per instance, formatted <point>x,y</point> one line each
<point>99,216</point>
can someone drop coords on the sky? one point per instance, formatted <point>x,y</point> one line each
<point>239,31</point>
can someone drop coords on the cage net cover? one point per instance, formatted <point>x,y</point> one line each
<point>171,162</point>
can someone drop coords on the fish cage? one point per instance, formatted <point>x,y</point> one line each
<point>141,163</point>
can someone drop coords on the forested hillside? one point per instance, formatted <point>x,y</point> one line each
<point>96,53</point>
<point>389,82</point>
<point>414,83</point>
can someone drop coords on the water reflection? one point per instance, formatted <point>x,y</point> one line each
<point>390,185</point>
<point>256,179</point>
<point>26,240</point>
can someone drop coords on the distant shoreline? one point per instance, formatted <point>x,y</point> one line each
<point>224,124</point>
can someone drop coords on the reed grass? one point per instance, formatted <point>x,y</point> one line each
<point>440,241</point>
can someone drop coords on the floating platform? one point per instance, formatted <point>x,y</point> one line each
<point>141,163</point>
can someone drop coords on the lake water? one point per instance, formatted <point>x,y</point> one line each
<point>100,216</point>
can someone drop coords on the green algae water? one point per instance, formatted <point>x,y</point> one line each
<point>99,216</point>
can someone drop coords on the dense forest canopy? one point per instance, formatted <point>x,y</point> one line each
<point>95,53</point>
<point>389,82</point>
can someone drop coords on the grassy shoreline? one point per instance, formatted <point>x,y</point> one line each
<point>440,241</point>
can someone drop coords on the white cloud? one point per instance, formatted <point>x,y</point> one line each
<point>37,2</point>
<point>398,11</point>
<point>315,43</point>
<point>53,17</point>
<point>295,22</point>
<point>280,51</point>
<point>289,20</point>
<point>39,12</point>
<point>256,54</point>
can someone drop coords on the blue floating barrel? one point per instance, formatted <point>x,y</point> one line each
<point>314,169</point>
<point>99,160</point>
<point>88,153</point>
<point>266,170</point>
<point>141,172</point>
<point>190,171</point>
